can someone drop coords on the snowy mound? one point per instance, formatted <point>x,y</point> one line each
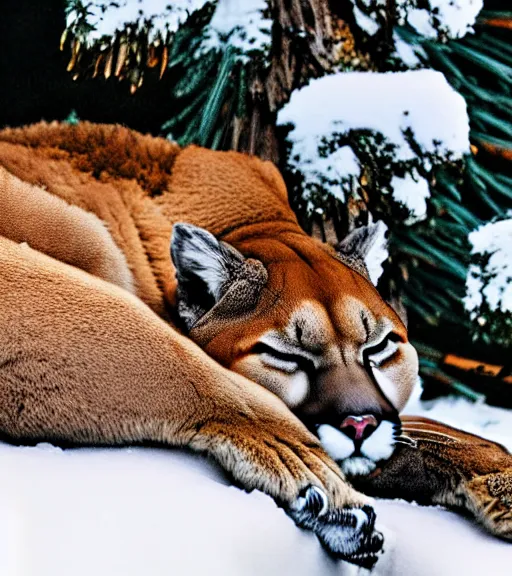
<point>430,18</point>
<point>407,119</point>
<point>491,279</point>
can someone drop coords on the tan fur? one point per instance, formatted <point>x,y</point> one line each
<point>77,237</point>
<point>89,348</point>
<point>239,199</point>
<point>84,361</point>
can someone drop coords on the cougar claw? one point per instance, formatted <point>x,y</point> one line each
<point>347,533</point>
<point>314,501</point>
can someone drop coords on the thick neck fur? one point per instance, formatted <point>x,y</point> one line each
<point>139,186</point>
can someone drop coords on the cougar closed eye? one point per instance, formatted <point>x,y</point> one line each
<point>284,361</point>
<point>376,354</point>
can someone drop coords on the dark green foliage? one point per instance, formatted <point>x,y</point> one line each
<point>435,253</point>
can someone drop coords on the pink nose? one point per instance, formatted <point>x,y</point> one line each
<point>356,427</point>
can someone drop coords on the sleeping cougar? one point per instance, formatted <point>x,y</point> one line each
<point>255,343</point>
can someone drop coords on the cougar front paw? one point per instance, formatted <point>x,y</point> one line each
<point>283,459</point>
<point>491,498</point>
<point>347,533</point>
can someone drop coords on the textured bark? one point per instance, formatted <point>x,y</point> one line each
<point>309,40</point>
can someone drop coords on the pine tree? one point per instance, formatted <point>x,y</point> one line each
<point>237,70</point>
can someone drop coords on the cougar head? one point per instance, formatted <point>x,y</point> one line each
<point>305,321</point>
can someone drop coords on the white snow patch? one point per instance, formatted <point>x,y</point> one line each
<point>378,253</point>
<point>240,24</point>
<point>389,103</point>
<point>493,283</point>
<point>336,172</point>
<point>108,18</point>
<point>365,22</point>
<point>407,54</point>
<point>454,18</point>
<point>417,101</point>
<point>412,192</point>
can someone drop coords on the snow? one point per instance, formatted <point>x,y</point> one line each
<point>365,22</point>
<point>420,103</point>
<point>388,103</point>
<point>406,53</point>
<point>108,18</point>
<point>434,542</point>
<point>240,24</point>
<point>378,253</point>
<point>493,282</point>
<point>159,512</point>
<point>412,192</point>
<point>237,23</point>
<point>335,172</point>
<point>452,18</point>
<point>136,511</point>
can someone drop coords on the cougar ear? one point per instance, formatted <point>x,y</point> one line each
<point>205,268</point>
<point>367,244</point>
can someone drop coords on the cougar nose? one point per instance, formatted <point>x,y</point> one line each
<point>359,427</point>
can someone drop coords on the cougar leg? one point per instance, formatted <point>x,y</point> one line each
<point>450,467</point>
<point>83,361</point>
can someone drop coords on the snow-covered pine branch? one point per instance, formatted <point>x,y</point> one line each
<point>489,282</point>
<point>105,19</point>
<point>241,25</point>
<point>407,122</point>
<point>441,19</point>
<point>427,19</point>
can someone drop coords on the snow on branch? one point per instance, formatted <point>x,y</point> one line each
<point>412,192</point>
<point>489,280</point>
<point>241,25</point>
<point>106,19</point>
<point>431,18</point>
<point>406,122</point>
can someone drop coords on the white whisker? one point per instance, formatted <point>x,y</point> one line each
<point>406,442</point>
<point>430,432</point>
<point>405,438</point>
<point>433,440</point>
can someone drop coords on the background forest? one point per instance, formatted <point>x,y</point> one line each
<point>374,110</point>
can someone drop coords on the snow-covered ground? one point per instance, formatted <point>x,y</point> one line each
<point>144,511</point>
